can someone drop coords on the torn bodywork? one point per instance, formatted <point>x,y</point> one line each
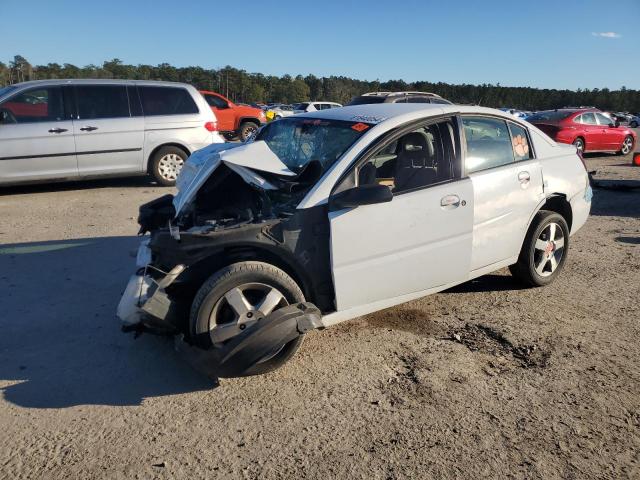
<point>228,214</point>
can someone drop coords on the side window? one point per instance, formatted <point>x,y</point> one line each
<point>401,100</point>
<point>37,105</point>
<point>215,101</point>
<point>578,119</point>
<point>418,100</point>
<point>166,101</point>
<point>418,159</point>
<point>588,119</point>
<point>102,101</point>
<point>488,143</point>
<point>603,119</point>
<point>520,142</point>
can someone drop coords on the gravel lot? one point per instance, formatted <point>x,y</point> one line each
<point>485,380</point>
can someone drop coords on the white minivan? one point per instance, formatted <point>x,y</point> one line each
<point>53,130</point>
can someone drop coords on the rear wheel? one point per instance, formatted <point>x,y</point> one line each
<point>238,296</point>
<point>627,146</point>
<point>579,144</point>
<point>247,130</point>
<point>544,250</point>
<point>166,165</point>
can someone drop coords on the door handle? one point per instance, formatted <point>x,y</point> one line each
<point>57,130</point>
<point>449,202</point>
<point>524,177</point>
<point>88,129</point>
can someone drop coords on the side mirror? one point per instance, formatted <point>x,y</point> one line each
<point>362,195</point>
<point>223,106</point>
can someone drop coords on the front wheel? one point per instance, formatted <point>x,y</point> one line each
<point>627,146</point>
<point>236,297</point>
<point>166,165</point>
<point>544,250</point>
<point>248,130</point>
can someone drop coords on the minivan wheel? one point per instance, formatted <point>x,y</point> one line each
<point>166,165</point>
<point>247,130</point>
<point>627,146</point>
<point>238,296</point>
<point>544,250</point>
<point>579,144</point>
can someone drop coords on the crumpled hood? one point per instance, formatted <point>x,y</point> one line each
<point>246,159</point>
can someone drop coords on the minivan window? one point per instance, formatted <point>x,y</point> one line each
<point>488,143</point>
<point>36,105</point>
<point>166,101</point>
<point>102,101</point>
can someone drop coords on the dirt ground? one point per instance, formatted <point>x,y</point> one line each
<point>487,380</point>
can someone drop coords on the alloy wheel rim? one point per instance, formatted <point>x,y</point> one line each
<point>249,132</point>
<point>241,307</point>
<point>548,250</point>
<point>579,145</point>
<point>627,145</point>
<point>170,165</point>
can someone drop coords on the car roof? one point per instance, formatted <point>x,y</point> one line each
<point>95,81</point>
<point>381,112</point>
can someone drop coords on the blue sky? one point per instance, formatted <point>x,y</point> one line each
<point>539,43</point>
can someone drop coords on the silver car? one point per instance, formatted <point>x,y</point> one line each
<point>76,129</point>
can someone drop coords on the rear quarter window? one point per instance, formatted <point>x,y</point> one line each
<point>166,101</point>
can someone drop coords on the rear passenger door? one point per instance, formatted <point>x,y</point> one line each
<point>36,136</point>
<point>507,186</point>
<point>108,138</point>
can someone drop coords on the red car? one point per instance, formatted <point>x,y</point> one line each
<point>234,120</point>
<point>588,129</point>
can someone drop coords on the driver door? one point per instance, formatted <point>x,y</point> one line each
<point>36,135</point>
<point>383,253</point>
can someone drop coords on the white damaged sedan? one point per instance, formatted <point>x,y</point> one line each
<point>330,215</point>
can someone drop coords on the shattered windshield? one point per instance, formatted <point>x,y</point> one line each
<point>298,141</point>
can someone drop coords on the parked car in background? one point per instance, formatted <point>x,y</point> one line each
<point>398,97</point>
<point>326,216</point>
<point>516,113</point>
<point>278,111</point>
<point>635,121</point>
<point>588,129</point>
<point>76,129</point>
<point>234,120</point>
<point>314,106</point>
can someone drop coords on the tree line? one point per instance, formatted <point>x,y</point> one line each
<point>241,86</point>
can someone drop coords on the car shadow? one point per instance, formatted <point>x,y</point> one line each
<point>487,283</point>
<point>61,344</point>
<point>116,182</point>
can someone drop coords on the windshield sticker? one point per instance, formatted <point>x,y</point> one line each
<point>360,127</point>
<point>368,118</point>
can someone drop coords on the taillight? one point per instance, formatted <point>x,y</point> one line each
<point>636,159</point>
<point>211,126</point>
